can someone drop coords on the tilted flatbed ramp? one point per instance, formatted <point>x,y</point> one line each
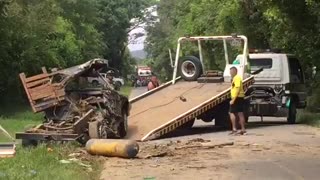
<point>162,110</point>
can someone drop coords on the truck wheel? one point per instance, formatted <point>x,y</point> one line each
<point>187,125</point>
<point>223,119</point>
<point>123,127</point>
<point>190,68</point>
<point>97,130</point>
<point>292,113</point>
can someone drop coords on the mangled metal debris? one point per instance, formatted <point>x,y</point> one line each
<point>73,108</point>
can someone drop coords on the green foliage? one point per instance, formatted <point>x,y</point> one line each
<point>293,26</point>
<point>62,33</point>
<point>312,119</point>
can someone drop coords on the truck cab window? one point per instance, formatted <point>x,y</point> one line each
<point>296,73</point>
<point>257,63</point>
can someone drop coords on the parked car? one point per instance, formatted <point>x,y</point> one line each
<point>118,81</point>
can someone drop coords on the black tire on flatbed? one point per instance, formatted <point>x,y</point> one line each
<point>190,62</point>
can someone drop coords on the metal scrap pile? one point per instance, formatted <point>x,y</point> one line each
<point>75,110</point>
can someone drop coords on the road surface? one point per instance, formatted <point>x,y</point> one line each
<point>270,150</point>
<point>137,91</point>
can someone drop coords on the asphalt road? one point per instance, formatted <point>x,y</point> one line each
<point>271,150</point>
<point>137,91</point>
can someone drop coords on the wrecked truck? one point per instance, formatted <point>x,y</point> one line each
<point>73,108</point>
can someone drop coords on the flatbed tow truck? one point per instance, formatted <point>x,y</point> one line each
<point>193,95</point>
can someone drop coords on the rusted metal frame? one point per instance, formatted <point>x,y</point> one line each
<point>83,122</point>
<point>173,124</point>
<point>47,136</point>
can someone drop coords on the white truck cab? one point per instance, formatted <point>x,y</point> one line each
<point>279,89</point>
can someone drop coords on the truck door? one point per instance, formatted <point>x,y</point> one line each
<point>297,82</point>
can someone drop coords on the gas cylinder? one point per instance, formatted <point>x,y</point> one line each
<point>113,147</point>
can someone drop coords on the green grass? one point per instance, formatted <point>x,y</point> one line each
<point>18,122</point>
<point>126,90</point>
<point>309,118</point>
<point>39,163</point>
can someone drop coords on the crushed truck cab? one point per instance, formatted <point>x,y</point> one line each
<point>73,109</point>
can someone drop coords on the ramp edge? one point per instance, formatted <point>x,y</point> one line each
<point>192,113</point>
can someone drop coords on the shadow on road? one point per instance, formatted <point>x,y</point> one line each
<point>205,129</point>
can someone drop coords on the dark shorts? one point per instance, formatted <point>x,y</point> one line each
<point>238,106</point>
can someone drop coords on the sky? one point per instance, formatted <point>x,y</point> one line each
<point>138,43</point>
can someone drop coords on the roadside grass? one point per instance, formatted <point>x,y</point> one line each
<point>309,118</point>
<point>41,162</point>
<point>18,122</point>
<point>126,90</point>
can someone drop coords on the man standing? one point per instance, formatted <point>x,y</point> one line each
<point>237,102</point>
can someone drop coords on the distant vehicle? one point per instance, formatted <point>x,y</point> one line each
<point>144,74</point>
<point>118,81</point>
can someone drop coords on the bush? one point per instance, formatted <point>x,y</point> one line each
<point>309,118</point>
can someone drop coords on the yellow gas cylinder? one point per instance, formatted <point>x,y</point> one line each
<point>113,147</point>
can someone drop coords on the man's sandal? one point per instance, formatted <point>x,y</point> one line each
<point>233,132</point>
<point>242,133</point>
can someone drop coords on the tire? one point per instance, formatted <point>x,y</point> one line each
<point>123,127</point>
<point>222,117</point>
<point>187,125</point>
<point>95,83</point>
<point>292,113</point>
<point>208,116</point>
<point>190,68</point>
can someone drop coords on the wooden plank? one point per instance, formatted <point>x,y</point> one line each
<point>36,77</point>
<point>39,88</point>
<point>38,82</point>
<point>23,78</point>
<point>42,93</point>
<point>41,96</point>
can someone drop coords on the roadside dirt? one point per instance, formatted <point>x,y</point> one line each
<point>290,152</point>
<point>270,150</point>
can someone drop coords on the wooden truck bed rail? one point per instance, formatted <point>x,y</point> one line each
<point>157,114</point>
<point>41,93</point>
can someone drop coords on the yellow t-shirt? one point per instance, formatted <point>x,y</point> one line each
<point>237,87</point>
